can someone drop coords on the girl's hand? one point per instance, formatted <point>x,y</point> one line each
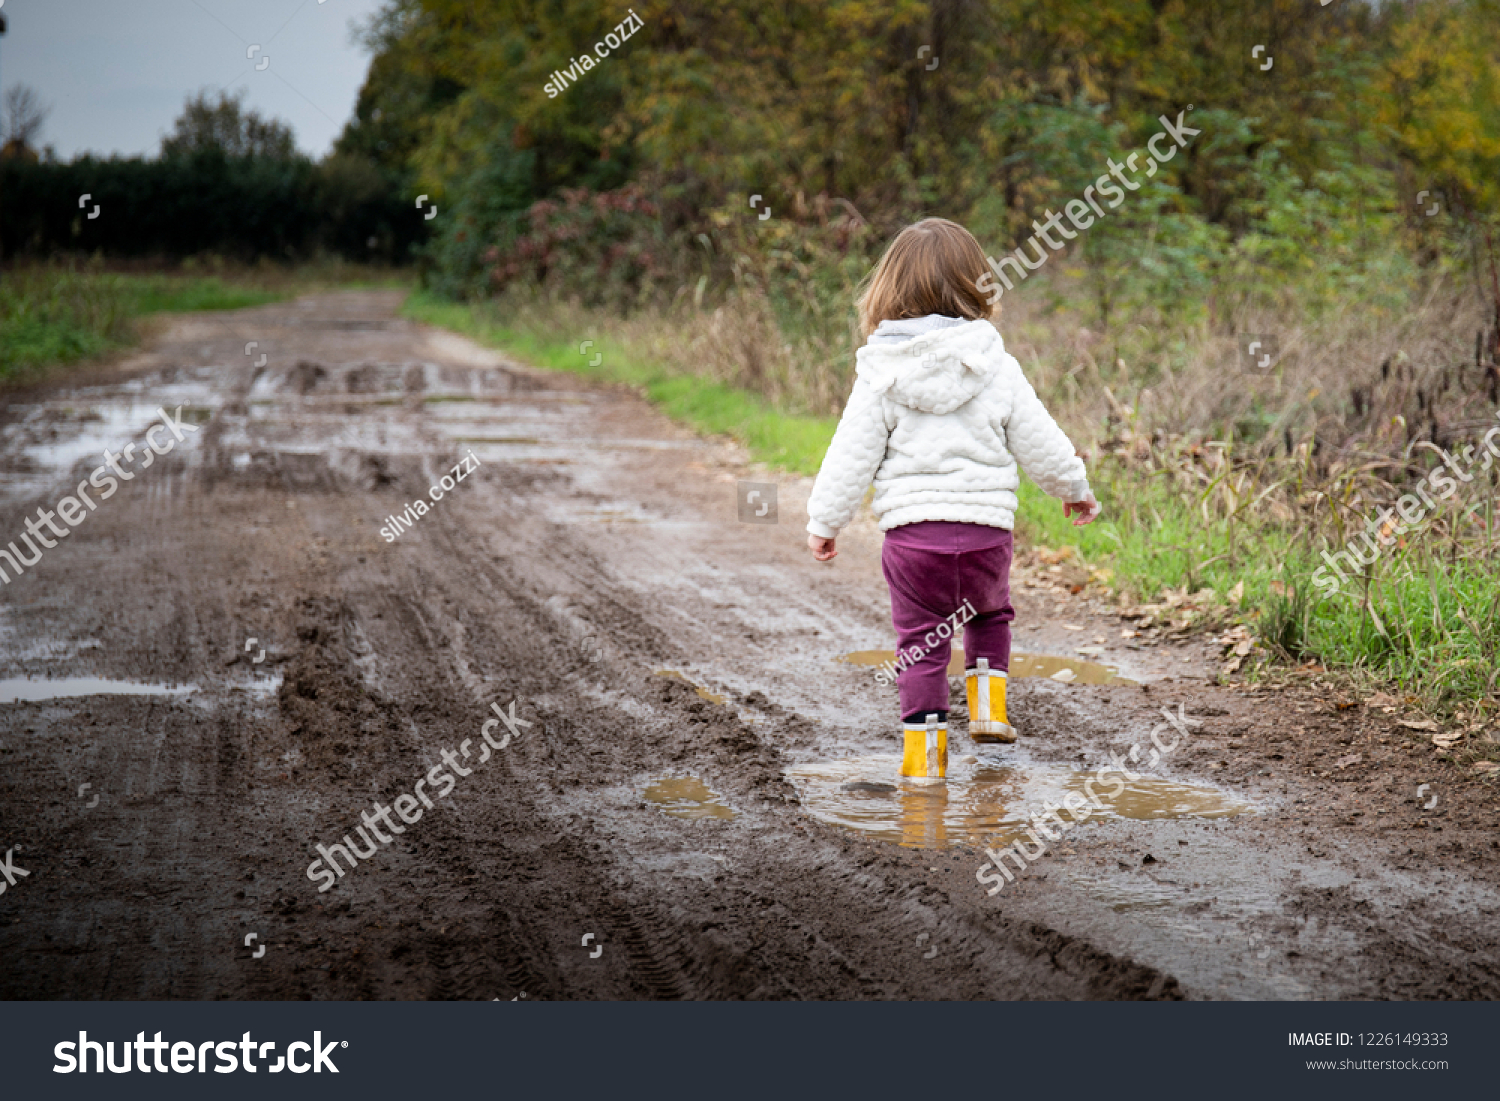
<point>823,549</point>
<point>1087,511</point>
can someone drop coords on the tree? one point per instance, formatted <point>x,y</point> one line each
<point>230,129</point>
<point>24,114</point>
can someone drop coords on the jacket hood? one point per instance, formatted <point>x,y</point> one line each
<point>935,371</point>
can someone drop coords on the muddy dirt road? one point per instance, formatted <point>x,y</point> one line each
<point>588,575</point>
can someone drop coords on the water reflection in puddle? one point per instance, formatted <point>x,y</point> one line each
<point>37,689</point>
<point>1021,665</point>
<point>17,689</point>
<point>687,797</point>
<point>48,439</point>
<point>982,804</point>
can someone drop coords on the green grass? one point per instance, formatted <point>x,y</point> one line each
<point>169,294</point>
<point>1427,619</point>
<point>1427,616</point>
<point>56,314</point>
<point>52,315</point>
<point>1153,536</point>
<point>791,442</point>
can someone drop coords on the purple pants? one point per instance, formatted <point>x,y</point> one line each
<point>933,568</point>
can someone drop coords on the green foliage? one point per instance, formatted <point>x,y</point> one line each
<point>1294,194</point>
<point>205,201</point>
<point>227,128</point>
<point>1426,614</point>
<point>56,315</point>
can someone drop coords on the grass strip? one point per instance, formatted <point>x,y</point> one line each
<point>50,316</point>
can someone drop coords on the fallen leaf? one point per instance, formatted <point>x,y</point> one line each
<point>1351,759</point>
<point>1382,699</point>
<point>1237,593</point>
<point>1418,724</point>
<point>1066,676</point>
<point>1070,627</point>
<point>1345,705</point>
<point>1230,666</point>
<point>1448,739</point>
<point>1089,651</point>
<point>1243,647</point>
<point>1486,767</point>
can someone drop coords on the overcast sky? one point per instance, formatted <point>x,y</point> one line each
<point>117,73</point>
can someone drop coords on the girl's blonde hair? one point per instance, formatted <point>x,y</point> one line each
<point>931,267</point>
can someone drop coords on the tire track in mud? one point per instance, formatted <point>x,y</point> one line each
<point>654,969</point>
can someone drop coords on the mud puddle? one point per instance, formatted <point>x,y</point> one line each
<point>703,693</point>
<point>41,689</point>
<point>48,439</point>
<point>26,689</point>
<point>982,804</point>
<point>687,797</point>
<point>1021,665</point>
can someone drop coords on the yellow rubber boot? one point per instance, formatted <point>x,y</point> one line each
<point>985,688</point>
<point>926,751</point>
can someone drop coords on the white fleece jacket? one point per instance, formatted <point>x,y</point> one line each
<point>939,417</point>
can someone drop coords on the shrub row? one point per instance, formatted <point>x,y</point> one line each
<point>240,207</point>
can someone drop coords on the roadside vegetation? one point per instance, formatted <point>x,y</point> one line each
<point>54,314</point>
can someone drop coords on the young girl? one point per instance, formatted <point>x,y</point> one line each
<point>939,417</point>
